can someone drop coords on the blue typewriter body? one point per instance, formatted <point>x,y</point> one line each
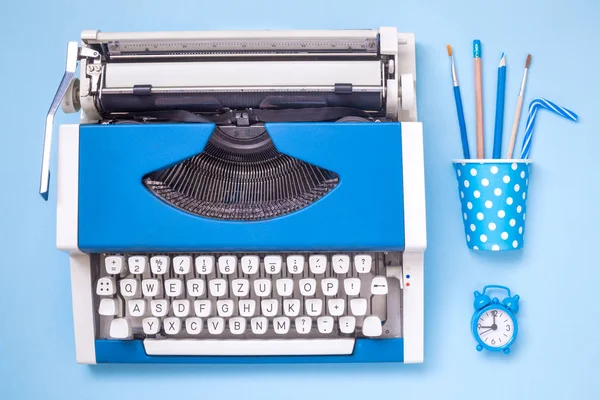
<point>336,277</point>
<point>114,159</point>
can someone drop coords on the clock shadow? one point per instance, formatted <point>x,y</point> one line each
<point>500,357</point>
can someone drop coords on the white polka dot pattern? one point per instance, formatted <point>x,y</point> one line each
<point>494,202</point>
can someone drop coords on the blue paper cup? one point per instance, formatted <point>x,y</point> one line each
<point>493,196</point>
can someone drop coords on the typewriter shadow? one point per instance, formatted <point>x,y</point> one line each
<point>210,371</point>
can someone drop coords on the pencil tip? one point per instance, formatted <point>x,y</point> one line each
<point>528,61</point>
<point>502,61</point>
<point>449,48</point>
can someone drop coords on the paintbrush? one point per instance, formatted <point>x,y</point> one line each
<point>513,135</point>
<point>459,107</point>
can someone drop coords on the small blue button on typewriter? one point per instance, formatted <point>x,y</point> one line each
<point>242,196</point>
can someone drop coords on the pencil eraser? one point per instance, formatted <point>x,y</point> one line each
<point>477,48</point>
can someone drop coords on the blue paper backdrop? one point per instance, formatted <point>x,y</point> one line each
<point>557,353</point>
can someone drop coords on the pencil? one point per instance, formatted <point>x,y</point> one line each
<point>478,98</point>
<point>515,127</point>
<point>459,108</point>
<point>499,108</point>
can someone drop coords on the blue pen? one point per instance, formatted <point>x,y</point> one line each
<point>499,107</point>
<point>459,108</point>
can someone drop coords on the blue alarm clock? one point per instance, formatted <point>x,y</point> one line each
<point>494,324</point>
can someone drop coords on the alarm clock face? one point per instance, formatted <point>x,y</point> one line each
<point>495,327</point>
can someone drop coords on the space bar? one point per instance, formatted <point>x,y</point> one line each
<point>250,347</point>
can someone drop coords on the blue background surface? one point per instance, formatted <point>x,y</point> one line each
<point>557,352</point>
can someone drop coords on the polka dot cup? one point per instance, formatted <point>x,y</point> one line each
<point>493,195</point>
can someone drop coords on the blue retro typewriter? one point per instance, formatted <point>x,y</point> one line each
<point>242,196</point>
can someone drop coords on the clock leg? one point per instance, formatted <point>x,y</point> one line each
<point>479,347</point>
<point>506,350</point>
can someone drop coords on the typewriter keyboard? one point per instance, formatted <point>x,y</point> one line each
<point>246,303</point>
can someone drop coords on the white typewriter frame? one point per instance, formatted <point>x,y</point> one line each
<point>414,224</point>
<point>413,255</point>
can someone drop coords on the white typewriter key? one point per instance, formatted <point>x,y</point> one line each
<point>203,308</point>
<point>225,308</point>
<point>195,287</point>
<point>347,324</point>
<point>358,306</point>
<point>172,325</point>
<point>273,264</point>
<point>281,325</point>
<point>317,264</point>
<point>136,308</point>
<point>336,307</point>
<point>159,265</point>
<point>285,287</point>
<point>227,264</point>
<point>151,325</point>
<point>313,307</point>
<point>182,264</point>
<point>340,263</point>
<point>181,308</point>
<point>237,325</point>
<point>295,264</point>
<point>216,325</point>
<point>240,287</point>
<point>137,264</point>
<point>250,264</point>
<point>329,286</point>
<point>114,264</point>
<point>205,264</point>
<point>173,287</point>
<point>325,324</point>
<point>218,287</point>
<point>269,307</point>
<point>105,287</point>
<point>150,287</point>
<point>352,286</point>
<point>247,307</point>
<point>159,308</point>
<point>193,326</point>
<point>362,263</point>
<point>120,328</point>
<point>379,285</point>
<point>372,326</point>
<point>128,287</point>
<point>303,325</point>
<point>291,307</point>
<point>259,325</point>
<point>308,286</point>
<point>262,287</point>
<point>108,307</point>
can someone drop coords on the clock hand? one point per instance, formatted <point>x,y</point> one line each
<point>481,333</point>
<point>481,326</point>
